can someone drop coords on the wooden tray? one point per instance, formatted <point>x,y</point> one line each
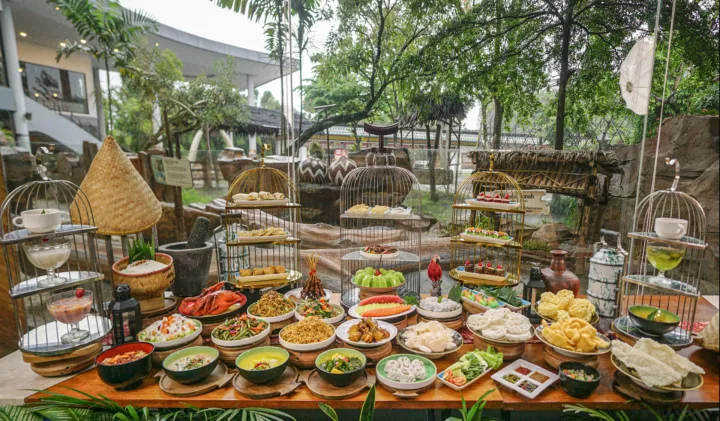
<point>400,324</point>
<point>406,394</point>
<point>93,349</point>
<point>159,356</point>
<point>64,367</point>
<point>229,355</point>
<point>282,386</point>
<point>219,378</point>
<point>305,360</point>
<point>168,306</point>
<point>626,387</point>
<point>554,358</point>
<point>325,390</point>
<point>454,324</point>
<point>373,355</point>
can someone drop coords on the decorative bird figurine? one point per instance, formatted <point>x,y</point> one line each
<point>435,273</point>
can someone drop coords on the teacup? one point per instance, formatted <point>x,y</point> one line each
<point>670,228</point>
<point>41,221</point>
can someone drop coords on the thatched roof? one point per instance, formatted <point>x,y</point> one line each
<point>607,160</point>
<point>263,121</point>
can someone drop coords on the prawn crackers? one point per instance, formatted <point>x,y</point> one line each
<point>573,334</point>
<point>501,325</point>
<point>564,304</point>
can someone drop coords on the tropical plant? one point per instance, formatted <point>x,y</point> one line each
<point>668,415</point>
<point>108,32</point>
<point>141,250</point>
<point>475,413</point>
<point>366,413</point>
<point>316,150</point>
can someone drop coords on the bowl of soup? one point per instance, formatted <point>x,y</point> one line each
<point>652,320</point>
<point>263,364</point>
<point>125,366</point>
<point>191,365</point>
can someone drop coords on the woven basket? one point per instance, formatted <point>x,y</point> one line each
<point>122,202</point>
<point>147,288</point>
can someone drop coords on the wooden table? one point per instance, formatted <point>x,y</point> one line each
<point>438,397</point>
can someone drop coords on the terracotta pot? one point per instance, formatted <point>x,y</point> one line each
<point>557,277</point>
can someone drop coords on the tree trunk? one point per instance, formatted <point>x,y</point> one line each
<point>483,112</point>
<point>109,127</point>
<point>564,76</point>
<point>497,123</point>
<point>433,161</point>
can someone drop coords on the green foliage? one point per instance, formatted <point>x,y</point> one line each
<point>133,118</point>
<point>475,413</point>
<point>141,250</point>
<point>565,208</point>
<point>368,409</point>
<point>269,102</point>
<point>329,411</point>
<point>202,196</point>
<point>667,415</point>
<point>316,150</point>
<point>536,245</point>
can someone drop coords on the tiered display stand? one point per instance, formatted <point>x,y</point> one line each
<point>645,284</point>
<point>258,252</point>
<point>380,183</point>
<point>508,217</point>
<point>40,334</point>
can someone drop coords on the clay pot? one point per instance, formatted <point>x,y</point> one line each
<point>557,277</point>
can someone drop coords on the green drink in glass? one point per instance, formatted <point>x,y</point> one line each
<point>664,258</point>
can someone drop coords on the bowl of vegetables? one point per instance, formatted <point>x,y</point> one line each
<point>330,313</point>
<point>191,365</point>
<point>340,366</point>
<point>470,367</point>
<point>578,380</point>
<point>262,365</point>
<point>240,331</point>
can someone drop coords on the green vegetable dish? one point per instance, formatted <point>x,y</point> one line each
<point>239,328</point>
<point>472,365</point>
<point>339,364</point>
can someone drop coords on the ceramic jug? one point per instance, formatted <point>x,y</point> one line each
<point>557,277</point>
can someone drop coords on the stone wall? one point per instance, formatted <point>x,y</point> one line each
<point>695,142</point>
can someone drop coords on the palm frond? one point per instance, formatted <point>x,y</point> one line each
<point>17,413</point>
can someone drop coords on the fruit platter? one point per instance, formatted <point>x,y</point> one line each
<point>481,235</point>
<point>493,201</point>
<point>440,308</point>
<point>378,280</point>
<point>366,333</point>
<point>470,367</point>
<point>379,252</point>
<point>381,307</point>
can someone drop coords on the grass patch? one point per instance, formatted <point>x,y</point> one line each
<point>440,209</point>
<point>201,196</point>
<point>536,245</point>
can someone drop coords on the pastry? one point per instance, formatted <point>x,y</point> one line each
<point>280,269</point>
<point>265,195</point>
<point>269,270</point>
<point>258,272</point>
<point>246,272</point>
<point>253,196</point>
<point>278,196</point>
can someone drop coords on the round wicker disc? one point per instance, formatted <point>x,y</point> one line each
<point>121,200</point>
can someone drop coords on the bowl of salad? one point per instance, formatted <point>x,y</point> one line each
<point>330,313</point>
<point>471,367</point>
<point>171,332</point>
<point>240,331</point>
<point>340,366</point>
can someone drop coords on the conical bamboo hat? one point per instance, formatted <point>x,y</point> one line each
<point>122,202</point>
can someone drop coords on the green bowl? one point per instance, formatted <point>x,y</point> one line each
<point>653,327</point>
<point>340,379</point>
<point>194,375</point>
<point>244,360</point>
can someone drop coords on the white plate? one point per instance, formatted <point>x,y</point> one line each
<point>274,319</point>
<point>355,214</point>
<point>306,347</point>
<point>492,205</point>
<point>242,342</point>
<point>352,312</point>
<point>498,377</point>
<point>457,339</point>
<point>481,239</point>
<point>177,342</point>
<point>296,293</point>
<point>257,278</point>
<point>331,320</point>
<point>342,333</point>
<point>260,203</point>
<point>404,215</point>
<point>600,351</point>
<point>388,256</point>
<point>440,314</point>
<point>259,239</point>
<point>441,377</point>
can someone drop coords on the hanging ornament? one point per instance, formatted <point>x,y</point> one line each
<point>636,76</point>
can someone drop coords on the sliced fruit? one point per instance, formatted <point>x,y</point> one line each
<point>381,299</point>
<point>386,311</point>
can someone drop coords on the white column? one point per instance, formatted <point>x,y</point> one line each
<point>251,90</point>
<point>12,63</point>
<point>99,109</point>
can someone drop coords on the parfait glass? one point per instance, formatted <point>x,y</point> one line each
<point>663,257</point>
<point>70,308</point>
<point>48,255</point>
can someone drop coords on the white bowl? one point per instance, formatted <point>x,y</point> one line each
<point>440,314</point>
<point>306,347</point>
<point>296,293</point>
<point>242,342</point>
<point>273,319</point>
<point>181,341</point>
<point>331,320</point>
<point>342,333</point>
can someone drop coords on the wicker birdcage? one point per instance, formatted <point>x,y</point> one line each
<point>393,218</point>
<point>664,267</point>
<point>247,221</point>
<point>52,255</point>
<point>488,220</point>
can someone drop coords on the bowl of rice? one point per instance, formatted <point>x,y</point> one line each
<point>273,308</point>
<point>309,334</point>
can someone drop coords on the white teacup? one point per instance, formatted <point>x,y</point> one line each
<point>670,228</point>
<point>41,221</point>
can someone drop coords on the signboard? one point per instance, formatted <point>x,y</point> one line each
<point>536,203</point>
<point>171,171</point>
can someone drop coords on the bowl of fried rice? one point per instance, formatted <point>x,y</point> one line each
<point>309,334</point>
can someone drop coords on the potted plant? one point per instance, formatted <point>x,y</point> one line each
<point>147,273</point>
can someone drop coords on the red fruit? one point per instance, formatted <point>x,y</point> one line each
<point>499,267</point>
<point>79,293</point>
<point>382,312</point>
<point>377,272</point>
<point>507,195</point>
<point>489,265</point>
<point>382,299</point>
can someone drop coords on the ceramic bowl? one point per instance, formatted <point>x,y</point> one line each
<point>639,314</point>
<point>196,374</point>
<point>129,375</point>
<point>245,360</point>
<point>340,379</point>
<point>578,388</point>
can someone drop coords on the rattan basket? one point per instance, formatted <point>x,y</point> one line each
<point>147,288</point>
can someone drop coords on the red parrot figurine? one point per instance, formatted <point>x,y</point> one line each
<point>435,273</point>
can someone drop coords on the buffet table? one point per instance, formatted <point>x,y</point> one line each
<point>437,397</point>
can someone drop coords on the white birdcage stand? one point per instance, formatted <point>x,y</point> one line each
<point>30,287</point>
<point>380,183</point>
<point>663,272</point>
